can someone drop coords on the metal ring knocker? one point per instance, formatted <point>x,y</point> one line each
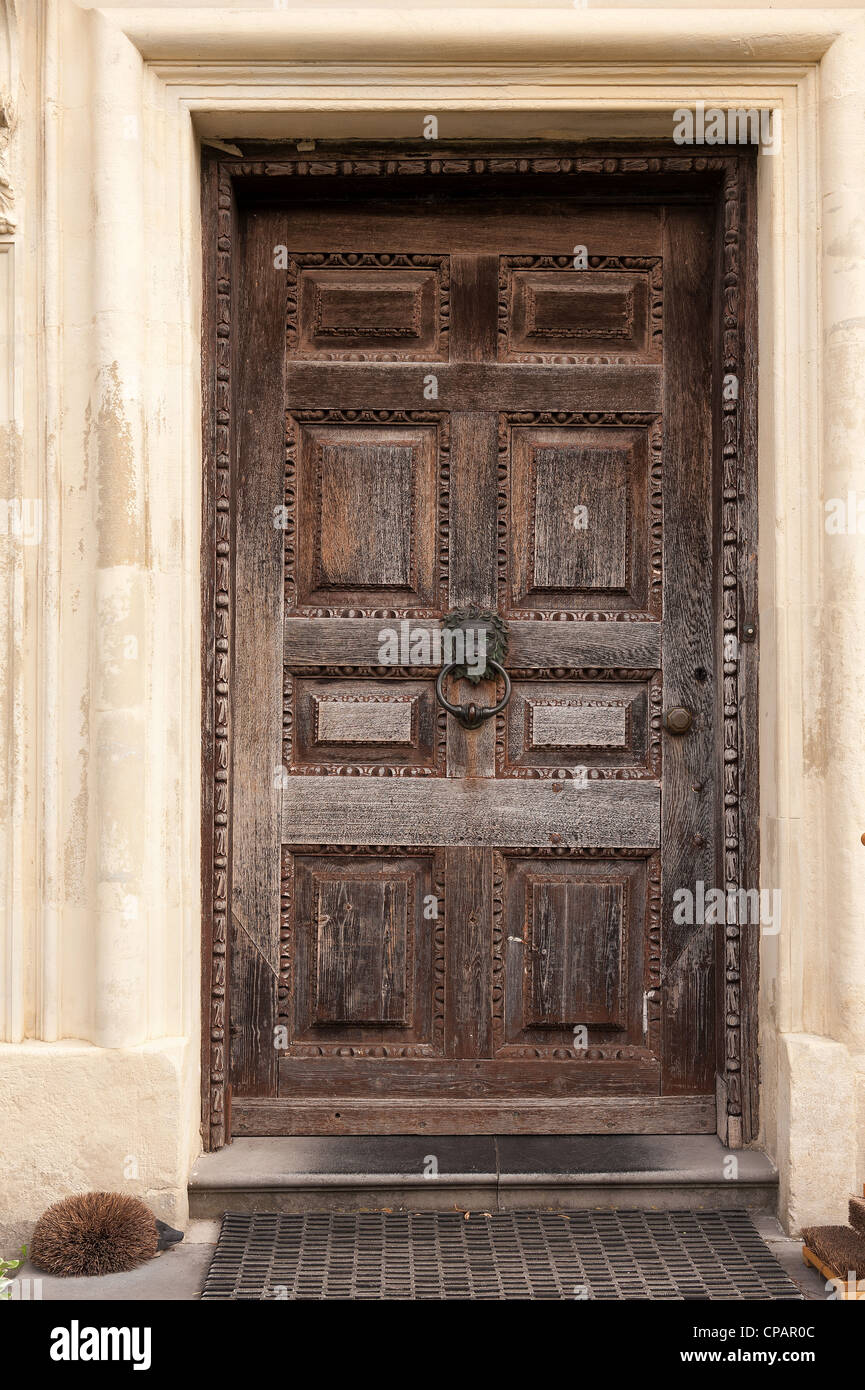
<point>472,716</point>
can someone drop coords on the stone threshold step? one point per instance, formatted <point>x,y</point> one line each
<point>480,1173</point>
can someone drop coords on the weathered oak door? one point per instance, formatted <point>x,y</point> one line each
<point>435,929</point>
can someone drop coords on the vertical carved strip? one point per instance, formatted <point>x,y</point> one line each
<point>730,448</point>
<point>221,670</point>
<point>653,957</point>
<point>498,981</point>
<point>439,974</point>
<point>656,517</point>
<point>286,909</point>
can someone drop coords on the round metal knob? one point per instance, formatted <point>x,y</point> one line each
<point>471,716</point>
<point>678,720</point>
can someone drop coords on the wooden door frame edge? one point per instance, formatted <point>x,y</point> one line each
<point>731,173</point>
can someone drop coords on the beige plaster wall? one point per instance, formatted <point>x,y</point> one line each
<point>99,695</point>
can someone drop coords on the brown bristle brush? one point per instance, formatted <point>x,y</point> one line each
<point>856,1214</point>
<point>838,1252</point>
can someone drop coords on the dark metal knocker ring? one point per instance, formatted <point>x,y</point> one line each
<point>472,716</point>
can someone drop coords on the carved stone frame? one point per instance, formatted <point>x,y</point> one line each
<point>729,176</point>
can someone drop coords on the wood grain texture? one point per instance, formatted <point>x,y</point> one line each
<point>473,512</point>
<point>480,811</point>
<point>466,218</point>
<point>569,944</point>
<point>362,958</point>
<point>429,1115</point>
<point>690,781</point>
<point>359,721</point>
<point>469,937</point>
<point>466,1078</point>
<point>321,642</point>
<point>258,486</point>
<point>578,725</point>
<point>462,386</point>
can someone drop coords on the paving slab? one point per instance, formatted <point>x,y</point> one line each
<point>174,1276</point>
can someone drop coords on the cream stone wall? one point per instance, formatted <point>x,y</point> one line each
<point>99,690</point>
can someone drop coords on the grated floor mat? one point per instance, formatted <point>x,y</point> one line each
<point>520,1254</point>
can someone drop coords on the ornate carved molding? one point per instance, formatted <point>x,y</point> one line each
<point>220,666</point>
<point>732,488</point>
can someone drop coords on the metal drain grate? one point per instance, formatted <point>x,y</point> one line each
<point>520,1254</point>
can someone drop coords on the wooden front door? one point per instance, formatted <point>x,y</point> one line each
<point>437,407</point>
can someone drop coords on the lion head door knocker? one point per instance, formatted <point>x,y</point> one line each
<point>474,645</point>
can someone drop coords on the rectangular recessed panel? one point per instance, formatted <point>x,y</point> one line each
<point>445,811</point>
<point>573,959</point>
<point>575,948</point>
<point>358,721</point>
<point>584,308</point>
<point>582,520</point>
<point>581,728</point>
<point>361,510</point>
<point>579,311</point>
<point>595,1255</point>
<point>360,306</point>
<point>578,510</point>
<point>368,306</point>
<point>553,310</point>
<point>578,725</point>
<point>358,959</point>
<point>361,723</point>
<point>363,929</point>
<point>365,489</point>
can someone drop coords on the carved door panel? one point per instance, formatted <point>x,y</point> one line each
<point>436,929</point>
